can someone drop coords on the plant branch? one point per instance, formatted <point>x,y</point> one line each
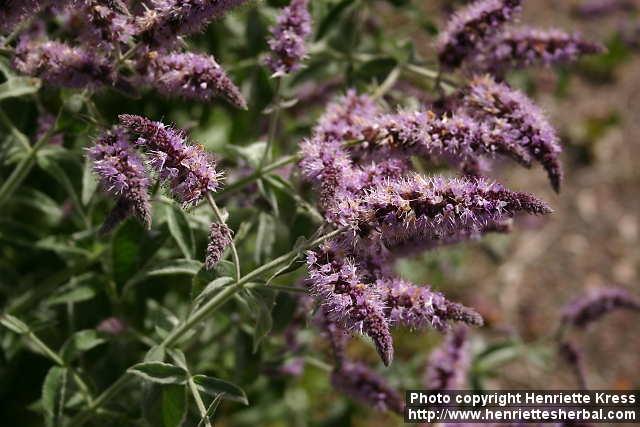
<point>220,219</point>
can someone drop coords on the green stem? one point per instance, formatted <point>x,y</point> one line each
<point>388,83</point>
<point>107,395</point>
<point>24,167</point>
<point>199,402</point>
<point>273,123</point>
<point>220,219</point>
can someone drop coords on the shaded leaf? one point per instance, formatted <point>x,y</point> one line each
<point>174,405</point>
<point>14,324</point>
<point>159,372</point>
<point>214,386</point>
<point>80,342</point>
<point>53,395</point>
<point>180,230</point>
<point>19,86</point>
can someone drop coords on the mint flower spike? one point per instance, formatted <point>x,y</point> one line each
<point>220,237</point>
<point>420,209</point>
<point>122,174</point>
<point>510,111</point>
<point>190,76</point>
<point>288,38</point>
<point>419,307</point>
<point>59,64</point>
<point>448,365</point>
<point>526,46</point>
<point>364,385</point>
<point>597,303</point>
<point>188,169</point>
<point>166,20</point>
<point>13,12</point>
<point>352,304</point>
<point>106,26</point>
<point>471,26</point>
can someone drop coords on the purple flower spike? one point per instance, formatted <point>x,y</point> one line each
<point>448,365</point>
<point>471,26</point>
<point>594,305</point>
<point>189,170</point>
<point>219,238</point>
<point>61,65</point>
<point>524,47</point>
<point>418,306</point>
<point>354,305</point>
<point>122,173</point>
<point>424,209</point>
<point>333,333</point>
<point>105,24</point>
<point>191,76</point>
<point>167,19</point>
<point>512,112</point>
<point>287,42</point>
<point>364,385</point>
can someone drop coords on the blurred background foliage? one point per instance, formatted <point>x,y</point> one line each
<point>60,277</point>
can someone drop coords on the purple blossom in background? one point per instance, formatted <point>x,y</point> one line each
<point>354,305</point>
<point>346,117</point>
<point>597,303</point>
<point>418,306</point>
<point>165,20</point>
<point>112,326</point>
<point>332,332</point>
<point>190,76</point>
<point>106,25</point>
<point>600,8</point>
<point>122,173</point>
<point>448,365</point>
<point>189,169</point>
<point>364,385</point>
<point>471,26</point>
<point>287,42</point>
<point>524,47</point>
<point>570,353</point>
<point>13,12</point>
<point>430,209</point>
<point>512,112</point>
<point>220,236</point>
<point>59,64</point>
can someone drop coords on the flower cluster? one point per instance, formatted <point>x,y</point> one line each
<point>220,237</point>
<point>122,173</point>
<point>111,45</point>
<point>476,35</point>
<point>287,42</point>
<point>448,365</point>
<point>357,159</point>
<point>12,12</point>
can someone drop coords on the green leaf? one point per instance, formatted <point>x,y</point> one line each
<point>332,18</point>
<point>174,405</point>
<point>214,386</point>
<point>155,354</point>
<point>159,372</point>
<point>14,324</point>
<point>19,86</point>
<point>252,153</point>
<point>262,304</point>
<point>161,319</point>
<point>80,342</point>
<point>53,395</point>
<point>78,289</point>
<point>50,166</point>
<point>167,268</point>
<point>180,230</point>
<point>212,288</point>
<point>265,237</point>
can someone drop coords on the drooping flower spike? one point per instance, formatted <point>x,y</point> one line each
<point>288,38</point>
<point>595,304</point>
<point>220,237</point>
<point>364,385</point>
<point>188,169</point>
<point>448,365</point>
<point>525,47</point>
<point>511,112</point>
<point>122,173</point>
<point>190,76</point>
<point>471,26</point>
<point>166,20</point>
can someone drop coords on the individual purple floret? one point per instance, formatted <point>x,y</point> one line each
<point>525,47</point>
<point>122,173</point>
<point>59,64</point>
<point>364,385</point>
<point>511,112</point>
<point>354,305</point>
<point>106,24</point>
<point>419,307</point>
<point>219,238</point>
<point>429,209</point>
<point>190,76</point>
<point>287,42</point>
<point>165,20</point>
<point>448,365</point>
<point>189,170</point>
<point>471,26</point>
<point>595,304</point>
